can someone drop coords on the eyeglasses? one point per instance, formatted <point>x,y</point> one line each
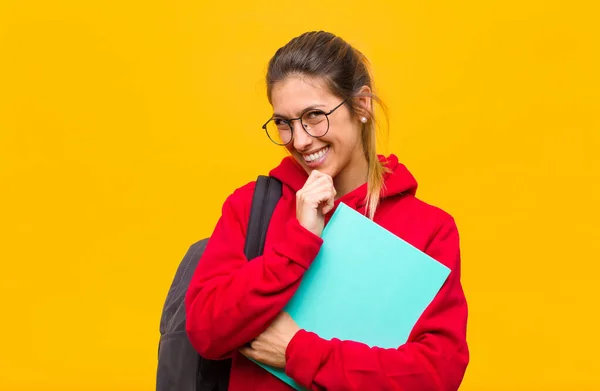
<point>314,122</point>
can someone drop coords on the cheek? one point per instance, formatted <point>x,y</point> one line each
<point>346,130</point>
<point>349,138</point>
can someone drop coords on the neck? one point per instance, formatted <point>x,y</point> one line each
<point>352,176</point>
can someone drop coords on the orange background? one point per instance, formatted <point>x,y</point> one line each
<point>124,125</point>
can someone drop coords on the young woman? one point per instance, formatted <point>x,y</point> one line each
<point>321,93</point>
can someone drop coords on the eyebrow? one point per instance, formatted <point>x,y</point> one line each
<point>303,111</point>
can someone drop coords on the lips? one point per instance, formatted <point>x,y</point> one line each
<point>315,156</point>
<point>316,159</point>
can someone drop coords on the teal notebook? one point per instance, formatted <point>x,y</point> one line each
<point>366,285</point>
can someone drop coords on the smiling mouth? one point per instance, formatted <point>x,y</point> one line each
<point>313,157</point>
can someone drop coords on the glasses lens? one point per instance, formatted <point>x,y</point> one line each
<point>279,131</point>
<point>315,122</point>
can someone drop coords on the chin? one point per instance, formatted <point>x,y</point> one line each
<point>324,164</point>
<point>328,169</point>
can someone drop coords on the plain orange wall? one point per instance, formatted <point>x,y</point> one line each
<point>124,125</point>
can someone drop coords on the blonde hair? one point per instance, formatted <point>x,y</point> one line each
<point>377,170</point>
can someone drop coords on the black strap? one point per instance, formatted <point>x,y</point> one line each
<point>266,196</point>
<point>214,375</point>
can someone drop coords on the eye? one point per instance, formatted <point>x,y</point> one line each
<point>313,117</point>
<point>279,122</point>
<point>313,114</point>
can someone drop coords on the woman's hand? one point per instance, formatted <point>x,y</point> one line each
<point>314,201</point>
<point>269,347</point>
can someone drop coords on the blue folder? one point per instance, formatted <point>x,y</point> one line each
<point>366,285</point>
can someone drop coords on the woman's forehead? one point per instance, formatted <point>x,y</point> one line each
<point>294,94</point>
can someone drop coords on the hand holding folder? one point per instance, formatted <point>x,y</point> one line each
<point>365,285</point>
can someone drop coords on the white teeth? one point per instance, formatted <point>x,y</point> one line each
<point>315,156</point>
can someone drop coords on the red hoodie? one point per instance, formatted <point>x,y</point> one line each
<point>230,301</point>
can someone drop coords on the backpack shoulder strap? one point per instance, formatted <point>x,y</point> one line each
<point>266,196</point>
<point>180,367</point>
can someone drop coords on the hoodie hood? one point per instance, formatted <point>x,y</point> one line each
<point>398,180</point>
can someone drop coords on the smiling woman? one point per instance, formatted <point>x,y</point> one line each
<point>322,98</point>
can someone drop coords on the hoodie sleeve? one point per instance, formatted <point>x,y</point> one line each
<point>230,300</point>
<point>434,358</point>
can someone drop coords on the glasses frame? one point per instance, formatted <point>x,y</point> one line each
<point>289,123</point>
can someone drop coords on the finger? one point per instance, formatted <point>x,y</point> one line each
<point>323,194</point>
<point>328,206</point>
<point>316,191</point>
<point>255,345</point>
<point>315,176</point>
<point>324,180</point>
<point>254,355</point>
<point>320,177</point>
<point>316,187</point>
<point>246,351</point>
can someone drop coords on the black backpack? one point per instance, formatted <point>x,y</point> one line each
<point>180,367</point>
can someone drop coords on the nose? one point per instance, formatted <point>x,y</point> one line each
<point>302,140</point>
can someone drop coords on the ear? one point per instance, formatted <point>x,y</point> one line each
<point>363,103</point>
